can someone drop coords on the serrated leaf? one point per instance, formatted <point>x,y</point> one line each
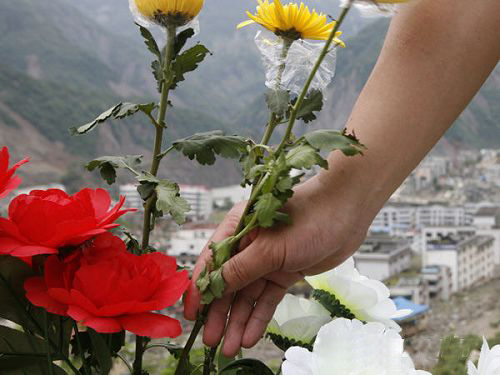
<point>305,157</point>
<point>204,146</point>
<point>108,165</point>
<point>266,208</point>
<point>188,61</point>
<point>181,39</point>
<point>168,200</point>
<point>158,74</point>
<point>150,41</point>
<point>119,111</point>
<point>99,120</point>
<point>313,102</point>
<point>278,101</point>
<point>331,140</point>
<point>254,366</point>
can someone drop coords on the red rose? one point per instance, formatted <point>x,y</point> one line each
<point>8,181</point>
<point>44,221</point>
<point>110,290</point>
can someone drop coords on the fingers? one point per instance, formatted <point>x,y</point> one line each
<point>240,313</point>
<point>259,259</point>
<point>225,229</point>
<point>262,314</point>
<point>216,320</point>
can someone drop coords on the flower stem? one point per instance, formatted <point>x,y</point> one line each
<point>209,360</point>
<point>300,100</point>
<point>46,332</point>
<point>155,164</point>
<point>80,348</point>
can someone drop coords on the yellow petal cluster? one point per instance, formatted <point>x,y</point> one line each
<point>292,21</point>
<point>164,12</point>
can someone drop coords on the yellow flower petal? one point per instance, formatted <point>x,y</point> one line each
<point>163,12</point>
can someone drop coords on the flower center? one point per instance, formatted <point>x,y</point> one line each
<point>172,18</point>
<point>333,305</point>
<point>291,34</point>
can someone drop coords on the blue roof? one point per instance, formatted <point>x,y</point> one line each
<point>403,303</point>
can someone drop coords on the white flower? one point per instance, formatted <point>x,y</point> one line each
<point>297,320</point>
<point>367,300</point>
<point>489,361</point>
<point>349,347</point>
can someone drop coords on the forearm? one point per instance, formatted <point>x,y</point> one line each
<point>436,56</point>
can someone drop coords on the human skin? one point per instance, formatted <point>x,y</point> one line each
<point>436,56</point>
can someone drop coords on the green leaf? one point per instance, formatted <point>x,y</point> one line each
<point>119,111</point>
<point>150,41</point>
<point>305,157</point>
<point>254,366</point>
<point>278,101</point>
<point>108,165</point>
<point>313,102</point>
<point>221,251</point>
<point>181,39</point>
<point>266,208</point>
<point>331,140</point>
<point>188,61</point>
<point>99,120</point>
<point>204,146</point>
<point>158,74</point>
<point>101,352</point>
<point>169,200</point>
<point>19,350</point>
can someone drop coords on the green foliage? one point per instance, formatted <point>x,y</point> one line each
<point>205,146</point>
<point>266,207</point>
<point>119,111</point>
<point>454,353</point>
<point>150,41</point>
<point>247,366</point>
<point>108,165</point>
<point>305,157</point>
<point>211,285</point>
<point>284,343</point>
<point>313,102</point>
<point>188,61</point>
<point>278,101</point>
<point>168,199</point>
<point>331,140</point>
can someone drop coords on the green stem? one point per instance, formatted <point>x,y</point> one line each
<point>184,357</point>
<point>46,332</point>
<point>80,348</point>
<point>155,164</point>
<point>300,100</point>
<point>209,360</point>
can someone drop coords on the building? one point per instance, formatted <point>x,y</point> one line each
<point>470,259</point>
<point>199,198</point>
<point>190,239</point>
<point>439,281</point>
<point>415,321</point>
<point>487,222</point>
<point>395,219</point>
<point>227,196</point>
<point>413,287</point>
<point>381,257</point>
<point>435,215</point>
<point>132,197</point>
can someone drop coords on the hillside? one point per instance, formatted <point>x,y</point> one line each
<point>63,62</point>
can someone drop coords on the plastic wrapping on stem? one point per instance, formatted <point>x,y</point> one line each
<point>143,21</point>
<point>369,8</point>
<point>299,63</point>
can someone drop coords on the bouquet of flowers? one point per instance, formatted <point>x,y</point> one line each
<point>73,281</point>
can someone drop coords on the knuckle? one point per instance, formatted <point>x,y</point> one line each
<point>236,272</point>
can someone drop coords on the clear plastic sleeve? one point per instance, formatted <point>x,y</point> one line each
<point>369,8</point>
<point>299,62</point>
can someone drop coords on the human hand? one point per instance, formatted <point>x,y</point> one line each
<point>325,231</point>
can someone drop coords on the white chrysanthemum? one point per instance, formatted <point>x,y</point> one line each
<point>489,361</point>
<point>349,347</point>
<point>298,319</point>
<point>370,8</point>
<point>367,300</point>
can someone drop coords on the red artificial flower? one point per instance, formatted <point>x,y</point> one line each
<point>108,289</point>
<point>8,181</point>
<point>44,221</point>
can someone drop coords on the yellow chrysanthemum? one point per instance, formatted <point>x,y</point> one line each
<point>169,12</point>
<point>292,21</point>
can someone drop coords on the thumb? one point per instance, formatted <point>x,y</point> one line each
<point>252,263</point>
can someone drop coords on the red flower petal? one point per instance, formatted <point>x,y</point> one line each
<point>171,290</point>
<point>29,251</point>
<point>151,325</point>
<point>36,293</point>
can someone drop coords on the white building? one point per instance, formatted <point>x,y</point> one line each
<point>190,239</point>
<point>227,196</point>
<point>132,197</point>
<point>487,222</point>
<point>199,198</point>
<point>439,281</point>
<point>381,257</point>
<point>470,260</point>
<point>413,288</point>
<point>395,219</point>
<point>440,215</point>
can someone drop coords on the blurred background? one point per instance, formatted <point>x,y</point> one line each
<point>436,244</point>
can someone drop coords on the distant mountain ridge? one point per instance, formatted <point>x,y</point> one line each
<point>64,62</point>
